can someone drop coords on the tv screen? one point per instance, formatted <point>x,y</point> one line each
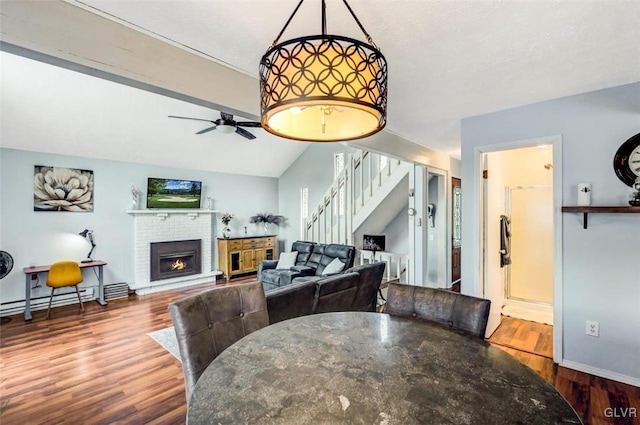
<point>168,193</point>
<point>373,242</point>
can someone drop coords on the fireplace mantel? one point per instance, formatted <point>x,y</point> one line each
<point>163,225</point>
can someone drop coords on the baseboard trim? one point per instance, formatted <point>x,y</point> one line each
<point>603,373</point>
<point>177,283</point>
<point>42,302</point>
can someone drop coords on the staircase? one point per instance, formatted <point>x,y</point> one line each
<point>367,194</point>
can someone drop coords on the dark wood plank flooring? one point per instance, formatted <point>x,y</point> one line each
<point>100,367</point>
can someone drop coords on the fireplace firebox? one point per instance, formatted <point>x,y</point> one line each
<point>175,259</point>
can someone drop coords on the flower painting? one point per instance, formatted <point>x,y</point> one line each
<point>62,189</point>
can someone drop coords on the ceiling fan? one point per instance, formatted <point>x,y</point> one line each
<point>226,124</point>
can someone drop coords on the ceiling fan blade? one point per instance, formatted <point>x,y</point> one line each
<point>225,116</point>
<point>245,133</point>
<point>189,118</point>
<point>206,130</point>
<point>249,124</point>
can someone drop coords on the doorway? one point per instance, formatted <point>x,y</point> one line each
<point>529,274</point>
<point>521,182</point>
<point>456,233</point>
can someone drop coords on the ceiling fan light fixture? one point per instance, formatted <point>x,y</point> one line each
<point>323,88</point>
<point>226,129</point>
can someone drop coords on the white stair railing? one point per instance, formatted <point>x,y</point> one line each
<point>396,268</point>
<point>356,186</point>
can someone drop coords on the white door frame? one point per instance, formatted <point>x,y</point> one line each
<point>477,206</point>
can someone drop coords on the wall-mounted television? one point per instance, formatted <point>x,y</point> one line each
<point>170,193</point>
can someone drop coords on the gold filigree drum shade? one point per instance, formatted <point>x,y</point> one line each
<point>323,88</point>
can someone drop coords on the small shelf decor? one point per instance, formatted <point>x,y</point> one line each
<point>267,219</point>
<point>135,198</point>
<point>226,219</point>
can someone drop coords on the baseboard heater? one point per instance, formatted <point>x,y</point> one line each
<point>41,303</point>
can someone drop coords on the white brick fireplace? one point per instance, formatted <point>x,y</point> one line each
<point>172,225</point>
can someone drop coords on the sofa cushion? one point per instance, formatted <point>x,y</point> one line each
<point>287,260</point>
<point>336,266</point>
<point>323,254</point>
<point>304,250</point>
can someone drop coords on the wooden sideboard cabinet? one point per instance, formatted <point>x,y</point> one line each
<point>243,255</point>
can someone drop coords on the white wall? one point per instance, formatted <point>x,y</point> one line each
<point>600,265</point>
<point>45,237</point>
<point>314,170</point>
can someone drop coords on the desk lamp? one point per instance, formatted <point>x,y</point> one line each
<point>86,233</point>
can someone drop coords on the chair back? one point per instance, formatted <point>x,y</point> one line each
<point>455,310</point>
<point>371,275</point>
<point>335,293</point>
<point>208,323</point>
<point>64,273</point>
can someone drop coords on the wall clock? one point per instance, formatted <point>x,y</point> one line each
<point>626,163</point>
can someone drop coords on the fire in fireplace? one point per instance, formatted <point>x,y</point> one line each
<point>175,259</point>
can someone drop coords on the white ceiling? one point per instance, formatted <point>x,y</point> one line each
<point>50,109</point>
<point>447,60</point>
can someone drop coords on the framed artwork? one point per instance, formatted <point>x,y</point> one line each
<point>62,189</point>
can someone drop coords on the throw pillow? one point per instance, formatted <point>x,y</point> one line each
<point>333,267</point>
<point>287,260</point>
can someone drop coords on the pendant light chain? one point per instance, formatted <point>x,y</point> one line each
<point>324,17</point>
<point>366,34</point>
<point>324,22</point>
<point>287,24</point>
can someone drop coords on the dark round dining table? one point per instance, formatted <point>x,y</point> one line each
<point>371,368</point>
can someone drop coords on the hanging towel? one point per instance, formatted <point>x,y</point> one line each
<point>505,241</point>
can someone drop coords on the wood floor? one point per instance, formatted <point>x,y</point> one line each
<point>100,367</point>
<point>530,337</point>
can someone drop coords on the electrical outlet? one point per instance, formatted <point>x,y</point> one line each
<point>593,328</point>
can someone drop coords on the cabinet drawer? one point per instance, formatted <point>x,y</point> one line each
<point>253,243</point>
<point>235,245</point>
<point>270,242</point>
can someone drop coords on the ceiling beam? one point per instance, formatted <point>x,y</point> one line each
<point>66,35</point>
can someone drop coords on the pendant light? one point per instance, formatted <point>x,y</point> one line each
<point>323,88</point>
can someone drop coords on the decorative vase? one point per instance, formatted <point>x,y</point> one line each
<point>226,232</point>
<point>584,194</point>
<point>266,228</point>
<point>135,205</point>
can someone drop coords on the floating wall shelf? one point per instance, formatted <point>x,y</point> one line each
<point>598,210</point>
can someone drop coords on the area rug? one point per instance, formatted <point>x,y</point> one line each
<point>167,339</point>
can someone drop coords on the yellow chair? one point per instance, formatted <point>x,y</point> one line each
<point>63,274</point>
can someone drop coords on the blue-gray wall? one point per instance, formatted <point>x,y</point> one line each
<point>314,170</point>
<point>601,278</point>
<point>45,237</point>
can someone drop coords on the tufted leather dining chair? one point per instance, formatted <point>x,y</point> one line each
<point>209,322</point>
<point>458,311</point>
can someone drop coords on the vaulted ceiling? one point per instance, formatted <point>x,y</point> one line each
<point>447,59</point>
